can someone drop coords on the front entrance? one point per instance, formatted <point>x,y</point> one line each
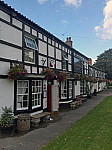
<point>53,97</point>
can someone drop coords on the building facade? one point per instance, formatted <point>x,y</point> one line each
<point>24,42</point>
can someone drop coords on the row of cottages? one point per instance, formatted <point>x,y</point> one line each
<point>25,43</point>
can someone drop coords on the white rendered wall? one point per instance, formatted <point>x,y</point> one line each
<point>34,32</point>
<point>10,34</point>
<point>28,68</point>
<point>69,67</point>
<point>92,89</point>
<point>44,94</point>
<point>69,58</point>
<point>4,16</point>
<point>41,62</point>
<point>17,23</point>
<point>9,52</point>
<point>58,54</point>
<point>51,51</point>
<point>42,47</point>
<point>6,94</point>
<point>34,69</point>
<point>27,28</point>
<point>4,67</point>
<point>77,88</point>
<point>58,64</point>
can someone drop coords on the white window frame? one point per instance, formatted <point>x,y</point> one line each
<point>63,89</point>
<point>26,49</point>
<point>37,94</point>
<point>70,89</point>
<point>22,95</point>
<point>81,87</point>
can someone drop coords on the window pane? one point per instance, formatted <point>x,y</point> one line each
<point>63,89</point>
<point>37,91</point>
<point>29,55</point>
<point>22,94</point>
<point>30,43</point>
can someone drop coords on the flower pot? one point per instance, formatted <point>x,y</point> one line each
<point>6,131</point>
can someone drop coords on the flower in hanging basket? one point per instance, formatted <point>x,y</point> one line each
<point>95,80</point>
<point>83,77</point>
<point>17,71</point>
<point>77,76</point>
<point>90,79</point>
<point>62,76</point>
<point>49,74</point>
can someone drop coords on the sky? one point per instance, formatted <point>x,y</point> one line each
<point>88,22</point>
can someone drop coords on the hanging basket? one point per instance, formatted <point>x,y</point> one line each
<point>17,71</point>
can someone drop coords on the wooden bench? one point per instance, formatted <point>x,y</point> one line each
<point>81,97</point>
<point>36,119</point>
<point>78,101</point>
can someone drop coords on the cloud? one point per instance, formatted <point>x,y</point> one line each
<point>75,3</point>
<point>41,1</point>
<point>105,29</point>
<point>64,21</point>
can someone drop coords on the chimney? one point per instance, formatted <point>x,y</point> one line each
<point>90,61</point>
<point>68,41</point>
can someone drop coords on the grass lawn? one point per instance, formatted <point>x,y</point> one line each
<point>92,132</point>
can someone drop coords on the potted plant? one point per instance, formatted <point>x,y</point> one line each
<point>17,71</point>
<point>7,122</point>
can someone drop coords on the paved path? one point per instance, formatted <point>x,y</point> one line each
<point>37,138</point>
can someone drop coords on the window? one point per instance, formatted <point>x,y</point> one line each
<point>70,89</point>
<point>30,43</point>
<point>23,89</point>
<point>29,55</point>
<point>64,61</point>
<point>22,94</point>
<point>84,87</point>
<point>64,65</point>
<point>77,65</point>
<point>29,51</point>
<point>81,87</point>
<point>63,89</point>
<point>36,93</point>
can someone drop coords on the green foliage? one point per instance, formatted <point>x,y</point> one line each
<point>17,71</point>
<point>104,62</point>
<point>7,117</point>
<point>92,132</point>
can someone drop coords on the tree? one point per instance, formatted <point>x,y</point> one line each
<point>104,62</point>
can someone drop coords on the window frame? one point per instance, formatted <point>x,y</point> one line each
<point>28,48</point>
<point>70,85</point>
<point>38,93</point>
<point>63,89</point>
<point>22,108</point>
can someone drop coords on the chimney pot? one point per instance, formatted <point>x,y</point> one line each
<point>68,41</point>
<point>69,38</point>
